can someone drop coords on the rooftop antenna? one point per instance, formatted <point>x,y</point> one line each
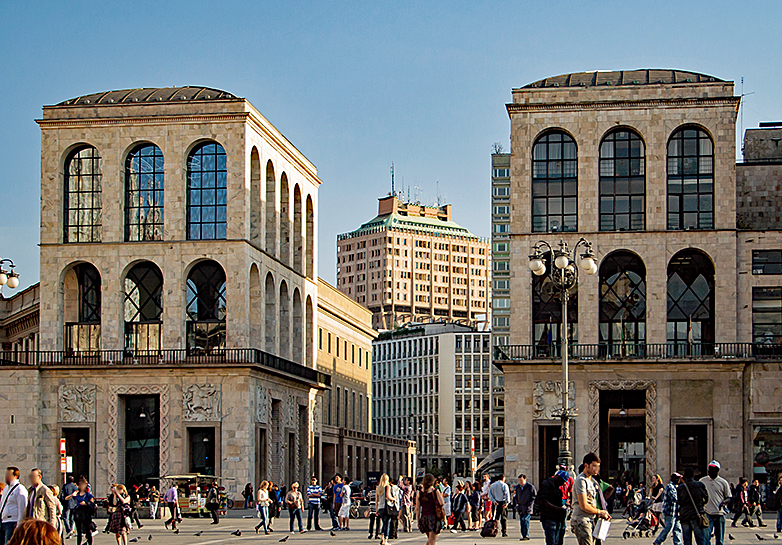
<point>439,197</point>
<point>393,192</point>
<point>741,115</point>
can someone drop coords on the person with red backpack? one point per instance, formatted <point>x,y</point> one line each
<point>551,508</point>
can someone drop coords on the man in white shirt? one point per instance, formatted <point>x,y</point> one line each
<point>499,494</point>
<point>719,494</point>
<point>13,503</point>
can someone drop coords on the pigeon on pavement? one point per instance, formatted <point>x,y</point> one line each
<point>150,537</point>
<point>134,540</point>
<point>332,534</point>
<point>283,540</point>
<point>198,534</point>
<point>730,537</point>
<point>237,533</point>
<point>760,537</point>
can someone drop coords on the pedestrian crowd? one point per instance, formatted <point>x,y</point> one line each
<point>691,512</point>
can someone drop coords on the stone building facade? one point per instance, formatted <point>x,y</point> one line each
<point>675,344</point>
<point>177,298</point>
<point>414,263</point>
<point>344,434</point>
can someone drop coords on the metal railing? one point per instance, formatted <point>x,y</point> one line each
<point>638,351</point>
<point>106,358</point>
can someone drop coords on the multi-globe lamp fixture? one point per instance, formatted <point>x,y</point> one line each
<point>8,277</point>
<point>564,275</point>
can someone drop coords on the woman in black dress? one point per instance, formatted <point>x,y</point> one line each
<point>429,510</point>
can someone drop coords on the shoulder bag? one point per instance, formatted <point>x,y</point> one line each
<point>438,509</point>
<point>703,518</point>
<point>5,500</point>
<point>392,505</point>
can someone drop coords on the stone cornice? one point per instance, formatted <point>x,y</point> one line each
<point>338,315</point>
<point>162,119</point>
<point>624,104</point>
<point>283,145</point>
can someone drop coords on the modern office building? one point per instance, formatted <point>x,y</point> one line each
<point>500,249</point>
<point>435,383</point>
<point>414,263</point>
<point>344,442</point>
<point>676,341</point>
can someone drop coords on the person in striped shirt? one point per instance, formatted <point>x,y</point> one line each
<point>314,493</point>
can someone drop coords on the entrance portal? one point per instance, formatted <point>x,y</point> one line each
<point>77,445</point>
<point>548,450</point>
<point>623,435</point>
<point>142,438</point>
<point>692,441</point>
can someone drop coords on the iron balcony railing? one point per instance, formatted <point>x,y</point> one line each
<point>638,351</point>
<point>106,358</point>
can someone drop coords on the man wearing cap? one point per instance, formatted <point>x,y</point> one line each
<point>671,513</point>
<point>551,508</point>
<point>719,494</point>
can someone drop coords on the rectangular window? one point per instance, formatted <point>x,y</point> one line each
<point>502,265</point>
<point>767,262</point>
<point>501,247</point>
<point>501,321</point>
<point>320,338</point>
<point>767,316</point>
<point>501,228</point>
<point>502,210</point>
<point>328,343</point>
<point>502,173</point>
<point>502,191</point>
<point>502,303</point>
<point>501,284</point>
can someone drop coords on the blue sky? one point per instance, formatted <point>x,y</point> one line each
<point>357,85</point>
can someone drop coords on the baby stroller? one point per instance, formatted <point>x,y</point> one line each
<point>645,523</point>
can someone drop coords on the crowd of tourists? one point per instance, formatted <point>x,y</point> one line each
<point>690,512</point>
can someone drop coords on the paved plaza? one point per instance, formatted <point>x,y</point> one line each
<point>213,535</point>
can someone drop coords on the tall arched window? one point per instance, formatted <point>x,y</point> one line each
<point>144,194</point>
<point>690,179</point>
<point>690,300</point>
<point>622,301</point>
<point>285,220</point>
<point>143,307</point>
<point>271,209</point>
<point>83,198</point>
<point>547,314</point>
<point>207,200</point>
<point>554,183</point>
<point>271,318</point>
<point>622,181</point>
<point>206,307</point>
<point>310,238</point>
<point>82,308</point>
<point>284,318</point>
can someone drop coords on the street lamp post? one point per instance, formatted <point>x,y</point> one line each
<point>8,278</point>
<point>564,275</point>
